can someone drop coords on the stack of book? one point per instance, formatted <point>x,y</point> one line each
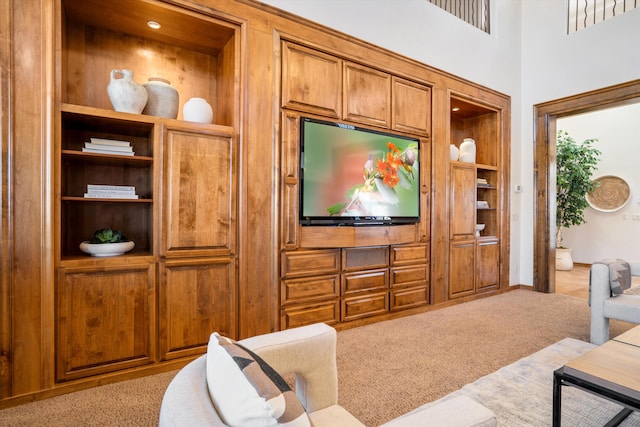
<point>108,146</point>
<point>482,182</point>
<point>96,191</point>
<point>482,204</point>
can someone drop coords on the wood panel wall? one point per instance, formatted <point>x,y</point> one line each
<point>30,95</point>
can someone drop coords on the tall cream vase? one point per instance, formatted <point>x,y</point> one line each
<point>125,94</point>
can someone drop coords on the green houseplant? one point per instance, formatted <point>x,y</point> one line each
<point>576,164</point>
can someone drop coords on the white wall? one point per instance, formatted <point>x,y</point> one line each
<point>556,65</point>
<point>528,55</point>
<point>609,234</point>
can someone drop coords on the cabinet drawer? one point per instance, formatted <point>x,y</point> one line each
<point>361,258</point>
<point>365,305</point>
<point>307,263</point>
<point>409,254</point>
<point>405,298</point>
<point>364,281</point>
<point>409,276</point>
<point>315,288</point>
<point>328,313</point>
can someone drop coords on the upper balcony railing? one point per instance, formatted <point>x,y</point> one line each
<point>475,12</point>
<point>584,13</point>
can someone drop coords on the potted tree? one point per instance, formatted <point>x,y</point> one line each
<point>575,164</point>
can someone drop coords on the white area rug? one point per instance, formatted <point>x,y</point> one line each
<point>521,394</point>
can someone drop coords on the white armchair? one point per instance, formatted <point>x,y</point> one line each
<point>309,352</point>
<point>605,307</point>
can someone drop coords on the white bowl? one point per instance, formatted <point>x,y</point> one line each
<point>106,249</point>
<point>479,228</point>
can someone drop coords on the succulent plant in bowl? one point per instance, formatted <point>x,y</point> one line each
<point>106,242</point>
<point>107,235</point>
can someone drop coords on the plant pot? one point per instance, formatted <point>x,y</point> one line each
<point>106,249</point>
<point>564,261</point>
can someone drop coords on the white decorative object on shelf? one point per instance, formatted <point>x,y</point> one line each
<point>468,150</point>
<point>479,228</point>
<point>454,153</point>
<point>163,99</point>
<point>125,94</point>
<point>106,249</point>
<point>197,110</point>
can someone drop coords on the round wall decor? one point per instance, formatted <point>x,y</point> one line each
<point>611,194</point>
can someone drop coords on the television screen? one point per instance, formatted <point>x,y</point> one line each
<point>357,176</point>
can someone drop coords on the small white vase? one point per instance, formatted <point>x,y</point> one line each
<point>454,153</point>
<point>197,110</point>
<point>468,151</point>
<point>125,94</point>
<point>163,99</point>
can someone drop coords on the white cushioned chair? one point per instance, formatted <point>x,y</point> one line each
<point>309,352</point>
<point>604,306</point>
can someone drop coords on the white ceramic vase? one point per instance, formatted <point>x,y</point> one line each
<point>162,99</point>
<point>197,110</point>
<point>564,261</point>
<point>468,151</point>
<point>454,153</point>
<point>125,94</point>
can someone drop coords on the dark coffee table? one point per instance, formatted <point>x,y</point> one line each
<point>611,370</point>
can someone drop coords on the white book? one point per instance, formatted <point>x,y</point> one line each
<point>129,188</point>
<point>117,148</point>
<point>120,192</point>
<point>110,196</point>
<point>114,142</point>
<point>115,153</point>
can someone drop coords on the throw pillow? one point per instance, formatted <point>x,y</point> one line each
<point>246,391</point>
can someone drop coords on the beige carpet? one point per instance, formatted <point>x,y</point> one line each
<point>385,369</point>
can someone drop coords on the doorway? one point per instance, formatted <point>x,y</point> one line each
<point>545,114</point>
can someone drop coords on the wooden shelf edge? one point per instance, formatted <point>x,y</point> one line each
<point>81,154</point>
<point>109,200</point>
<point>86,260</point>
<point>101,113</point>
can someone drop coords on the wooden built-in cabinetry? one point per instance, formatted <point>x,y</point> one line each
<point>341,285</point>
<point>218,244</point>
<point>163,299</point>
<point>350,273</point>
<point>475,191</point>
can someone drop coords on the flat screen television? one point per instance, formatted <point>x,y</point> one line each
<point>357,176</point>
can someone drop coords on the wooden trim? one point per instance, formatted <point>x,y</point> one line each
<point>545,114</point>
<point>6,248</point>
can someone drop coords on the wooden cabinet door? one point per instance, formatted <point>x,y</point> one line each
<point>197,298</point>
<point>411,110</point>
<point>367,95</point>
<point>488,256</point>
<point>461,269</point>
<point>462,201</point>
<point>199,194</point>
<point>105,319</point>
<point>311,81</point>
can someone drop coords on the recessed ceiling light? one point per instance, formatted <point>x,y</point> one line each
<point>153,24</point>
